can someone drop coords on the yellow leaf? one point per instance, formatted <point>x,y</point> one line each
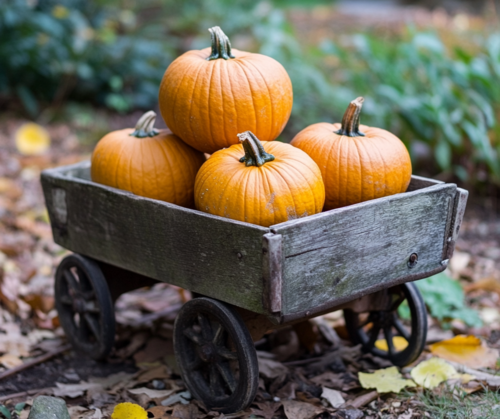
<point>400,344</point>
<point>32,139</point>
<point>385,381</point>
<point>431,373</point>
<point>129,411</point>
<point>60,12</point>
<point>467,350</point>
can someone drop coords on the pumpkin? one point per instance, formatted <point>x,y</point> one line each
<point>208,96</point>
<point>271,183</point>
<point>147,162</point>
<point>358,163</point>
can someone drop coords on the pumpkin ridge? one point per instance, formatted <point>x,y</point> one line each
<point>117,163</point>
<point>263,173</point>
<point>233,101</point>
<point>306,179</point>
<point>153,160</point>
<point>168,146</point>
<point>271,125</point>
<point>372,171</point>
<point>170,169</point>
<point>223,102</point>
<point>209,102</point>
<point>174,107</point>
<point>290,191</point>
<point>361,179</point>
<point>256,128</point>
<point>191,99</point>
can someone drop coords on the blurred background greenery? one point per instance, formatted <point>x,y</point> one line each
<point>433,80</point>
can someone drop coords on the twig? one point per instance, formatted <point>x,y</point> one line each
<point>25,393</point>
<point>34,361</point>
<point>362,400</point>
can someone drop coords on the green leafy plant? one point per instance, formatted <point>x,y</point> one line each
<point>445,299</point>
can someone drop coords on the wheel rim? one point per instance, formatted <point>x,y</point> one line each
<point>367,328</point>
<point>216,355</point>
<point>84,306</point>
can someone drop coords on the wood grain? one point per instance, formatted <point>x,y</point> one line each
<point>216,257</point>
<point>340,253</point>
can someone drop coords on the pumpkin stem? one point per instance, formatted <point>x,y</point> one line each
<point>221,47</point>
<point>255,155</point>
<point>350,121</point>
<point>145,126</point>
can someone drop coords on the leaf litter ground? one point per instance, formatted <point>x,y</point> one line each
<point>309,370</point>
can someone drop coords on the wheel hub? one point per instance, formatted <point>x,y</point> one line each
<point>207,352</point>
<point>78,304</point>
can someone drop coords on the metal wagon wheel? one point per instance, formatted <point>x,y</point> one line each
<point>216,355</point>
<point>84,305</point>
<point>366,328</point>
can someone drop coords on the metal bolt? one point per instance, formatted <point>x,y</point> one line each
<point>413,260</point>
<point>239,255</point>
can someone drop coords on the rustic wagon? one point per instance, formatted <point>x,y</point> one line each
<point>248,279</point>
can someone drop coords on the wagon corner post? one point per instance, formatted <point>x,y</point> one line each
<point>272,268</point>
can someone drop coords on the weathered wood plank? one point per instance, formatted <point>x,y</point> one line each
<point>419,182</point>
<point>456,221</point>
<point>209,255</point>
<point>272,271</point>
<point>344,252</point>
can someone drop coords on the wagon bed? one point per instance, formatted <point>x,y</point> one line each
<point>289,271</point>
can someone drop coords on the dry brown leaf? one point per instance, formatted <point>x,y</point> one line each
<point>271,369</point>
<point>159,412</point>
<point>156,373</point>
<point>155,349</point>
<point>333,396</point>
<point>266,409</point>
<point>294,410</point>
<point>489,284</point>
<point>466,350</point>
<point>10,361</point>
<point>152,394</point>
<point>185,411</point>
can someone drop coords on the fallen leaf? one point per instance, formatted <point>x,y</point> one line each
<point>271,369</point>
<point>333,396</point>
<point>489,284</point>
<point>152,394</point>
<point>10,361</point>
<point>156,373</point>
<point>129,411</point>
<point>32,139</point>
<point>266,409</point>
<point>466,350</point>
<point>399,342</point>
<point>431,373</point>
<point>183,397</point>
<point>296,410</point>
<point>189,411</point>
<point>159,412</point>
<point>386,380</point>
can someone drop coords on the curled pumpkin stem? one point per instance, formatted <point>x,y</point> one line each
<point>255,155</point>
<point>221,47</point>
<point>350,121</point>
<point>145,126</point>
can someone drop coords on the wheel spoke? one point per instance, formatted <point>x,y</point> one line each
<point>206,327</point>
<point>373,336</point>
<point>93,325</point>
<point>397,302</point>
<point>227,376</point>
<point>227,354</point>
<point>388,338</point>
<point>195,365</point>
<point>91,307</point>
<point>218,334</point>
<point>192,335</point>
<point>215,383</point>
<point>400,327</point>
<point>66,300</point>
<point>71,281</point>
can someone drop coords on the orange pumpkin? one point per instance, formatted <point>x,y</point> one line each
<point>273,182</point>
<point>208,96</point>
<point>358,163</point>
<point>147,162</point>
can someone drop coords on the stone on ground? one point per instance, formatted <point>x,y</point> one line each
<point>45,407</point>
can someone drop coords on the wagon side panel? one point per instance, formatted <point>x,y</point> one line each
<point>344,254</point>
<point>195,251</point>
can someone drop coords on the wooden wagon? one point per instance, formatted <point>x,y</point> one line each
<point>248,279</point>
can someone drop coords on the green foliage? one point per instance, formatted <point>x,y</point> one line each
<point>446,300</point>
<point>442,99</point>
<point>51,50</point>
